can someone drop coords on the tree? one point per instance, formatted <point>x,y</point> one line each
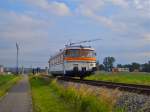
<point>108,63</point>
<point>97,65</point>
<point>119,66</point>
<point>101,67</point>
<point>135,66</point>
<point>128,66</point>
<point>146,67</point>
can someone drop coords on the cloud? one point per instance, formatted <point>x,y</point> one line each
<point>58,8</point>
<point>21,26</point>
<point>129,57</point>
<point>30,32</point>
<point>147,37</point>
<point>93,8</point>
<point>87,7</point>
<point>121,3</point>
<point>141,4</point>
<point>127,9</point>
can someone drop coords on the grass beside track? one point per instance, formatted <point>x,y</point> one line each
<point>44,97</point>
<point>126,77</point>
<point>6,82</point>
<point>49,96</point>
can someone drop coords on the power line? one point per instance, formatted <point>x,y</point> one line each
<point>85,41</point>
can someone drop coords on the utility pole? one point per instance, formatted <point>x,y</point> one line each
<point>17,59</point>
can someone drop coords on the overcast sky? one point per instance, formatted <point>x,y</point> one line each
<point>42,27</point>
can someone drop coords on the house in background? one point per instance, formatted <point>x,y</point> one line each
<point>120,70</point>
<point>123,69</point>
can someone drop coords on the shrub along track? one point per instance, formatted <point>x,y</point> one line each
<point>140,89</point>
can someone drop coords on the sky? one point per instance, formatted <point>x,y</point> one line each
<point>42,27</point>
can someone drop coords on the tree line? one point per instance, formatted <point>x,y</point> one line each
<point>108,64</point>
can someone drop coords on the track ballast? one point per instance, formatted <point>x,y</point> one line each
<point>140,89</point>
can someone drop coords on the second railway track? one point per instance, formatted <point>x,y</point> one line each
<point>140,89</point>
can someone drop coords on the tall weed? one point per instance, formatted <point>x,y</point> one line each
<point>83,99</point>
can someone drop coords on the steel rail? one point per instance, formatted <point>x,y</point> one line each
<point>139,89</point>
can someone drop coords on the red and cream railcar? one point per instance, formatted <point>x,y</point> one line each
<point>73,61</point>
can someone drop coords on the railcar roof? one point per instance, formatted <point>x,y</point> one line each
<point>79,47</point>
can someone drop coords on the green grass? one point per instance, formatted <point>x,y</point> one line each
<point>49,96</point>
<point>44,97</point>
<point>132,78</point>
<point>81,100</point>
<point>6,82</point>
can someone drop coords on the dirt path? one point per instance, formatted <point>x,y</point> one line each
<point>18,98</point>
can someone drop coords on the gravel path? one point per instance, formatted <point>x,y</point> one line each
<point>18,98</point>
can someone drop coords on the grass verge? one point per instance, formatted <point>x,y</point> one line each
<point>53,97</point>
<point>6,82</point>
<point>44,97</point>
<point>132,78</point>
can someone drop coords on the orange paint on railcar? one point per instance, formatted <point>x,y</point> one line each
<point>79,59</point>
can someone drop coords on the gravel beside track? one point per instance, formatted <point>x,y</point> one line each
<point>134,102</point>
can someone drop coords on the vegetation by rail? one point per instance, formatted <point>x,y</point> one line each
<point>123,77</point>
<point>44,97</point>
<point>51,96</point>
<point>6,82</point>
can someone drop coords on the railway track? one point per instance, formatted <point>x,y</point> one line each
<point>140,89</point>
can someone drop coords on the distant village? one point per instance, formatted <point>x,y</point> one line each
<point>12,70</point>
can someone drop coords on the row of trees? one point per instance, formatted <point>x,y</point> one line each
<point>136,66</point>
<point>108,64</point>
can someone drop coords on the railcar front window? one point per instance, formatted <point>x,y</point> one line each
<point>79,53</point>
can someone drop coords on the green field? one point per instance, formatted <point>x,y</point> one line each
<point>49,96</point>
<point>6,82</point>
<point>126,77</point>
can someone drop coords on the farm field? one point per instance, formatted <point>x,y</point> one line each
<point>6,82</point>
<point>50,96</point>
<point>131,78</point>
